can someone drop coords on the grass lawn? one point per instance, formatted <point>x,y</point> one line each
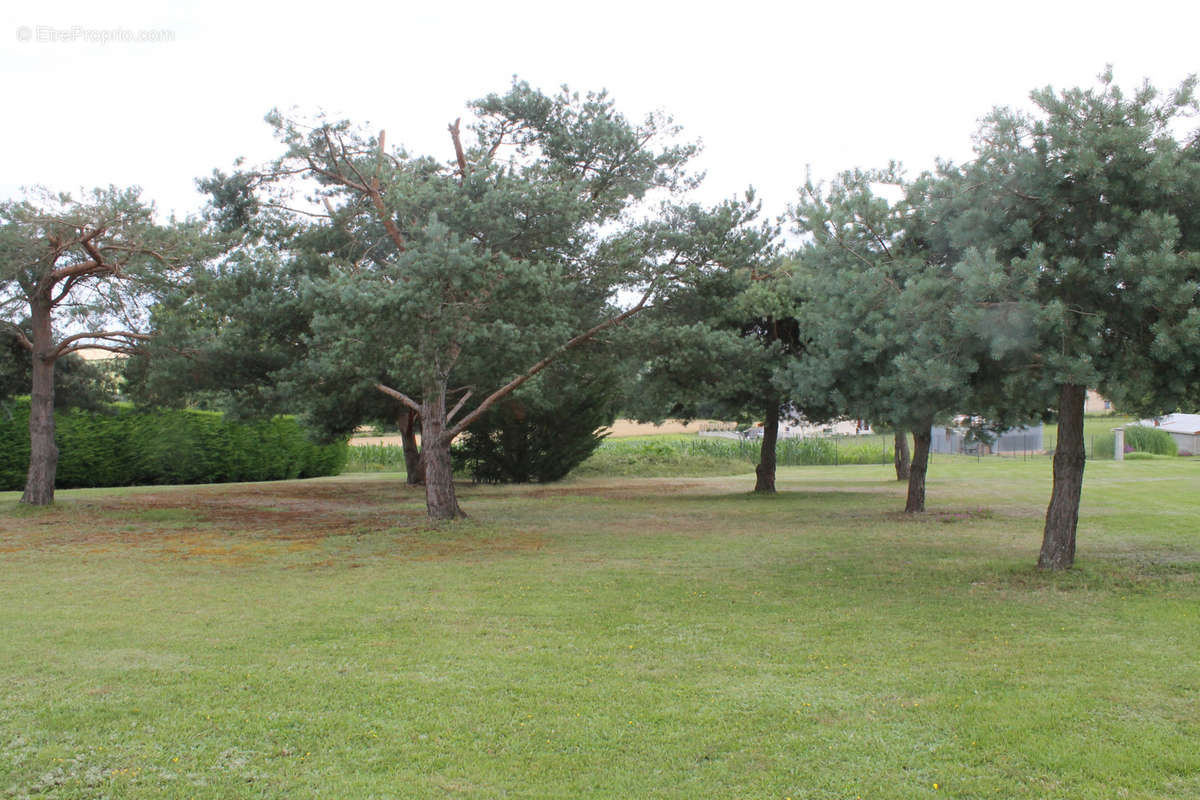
<point>606,638</point>
<point>1094,427</point>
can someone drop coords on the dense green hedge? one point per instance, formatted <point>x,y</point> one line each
<point>125,447</point>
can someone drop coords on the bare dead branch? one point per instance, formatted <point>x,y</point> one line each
<point>463,169</point>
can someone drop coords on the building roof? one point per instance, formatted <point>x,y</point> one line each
<point>1175,423</point>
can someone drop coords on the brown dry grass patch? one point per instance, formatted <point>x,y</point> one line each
<point>245,524</point>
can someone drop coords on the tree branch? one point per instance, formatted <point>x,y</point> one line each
<point>463,169</point>
<point>401,396</point>
<point>20,336</point>
<point>112,348</point>
<point>499,141</point>
<point>515,383</point>
<point>67,345</point>
<point>382,153</point>
<point>96,265</point>
<point>458,406</point>
<point>66,289</point>
<point>389,224</point>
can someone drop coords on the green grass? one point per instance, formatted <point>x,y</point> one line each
<point>375,458</point>
<point>704,456</point>
<point>1097,433</point>
<point>607,637</point>
<point>687,455</point>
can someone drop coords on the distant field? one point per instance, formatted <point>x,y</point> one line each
<point>1093,429</point>
<point>620,429</point>
<point>606,638</point>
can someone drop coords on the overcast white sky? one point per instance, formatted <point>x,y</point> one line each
<point>769,88</point>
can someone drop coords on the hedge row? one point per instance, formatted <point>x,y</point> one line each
<point>125,447</point>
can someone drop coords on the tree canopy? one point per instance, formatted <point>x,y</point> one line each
<point>1090,203</point>
<point>889,317</point>
<point>78,274</point>
<point>714,342</point>
<point>446,284</point>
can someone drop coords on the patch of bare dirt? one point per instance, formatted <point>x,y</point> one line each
<point>244,524</point>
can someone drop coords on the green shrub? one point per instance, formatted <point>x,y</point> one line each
<point>547,427</point>
<point>1150,440</point>
<point>120,446</point>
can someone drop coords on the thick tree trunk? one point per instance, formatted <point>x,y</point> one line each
<point>765,471</point>
<point>43,453</point>
<point>922,437</point>
<point>1062,516</point>
<point>440,499</point>
<point>900,455</point>
<point>413,464</point>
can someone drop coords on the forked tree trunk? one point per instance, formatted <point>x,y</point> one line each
<point>765,471</point>
<point>440,499</point>
<point>413,465</point>
<point>900,455</point>
<point>922,438</point>
<point>1062,516</point>
<point>43,453</point>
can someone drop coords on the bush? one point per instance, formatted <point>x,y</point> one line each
<point>545,429</point>
<point>1150,440</point>
<point>121,447</point>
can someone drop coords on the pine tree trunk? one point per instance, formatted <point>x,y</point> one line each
<point>900,456</point>
<point>440,499</point>
<point>43,453</point>
<point>765,471</point>
<point>413,465</point>
<point>1062,516</point>
<point>922,438</point>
